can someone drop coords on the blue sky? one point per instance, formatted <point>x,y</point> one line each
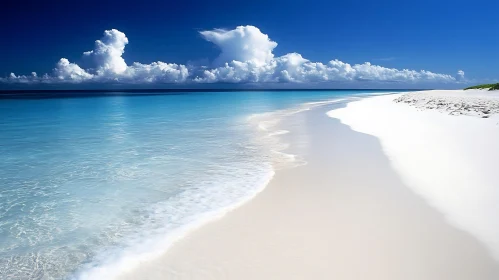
<point>437,36</point>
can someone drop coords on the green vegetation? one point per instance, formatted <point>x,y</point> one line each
<point>489,86</point>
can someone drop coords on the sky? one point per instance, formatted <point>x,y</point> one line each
<point>263,44</point>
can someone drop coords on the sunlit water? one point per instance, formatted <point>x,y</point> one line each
<point>90,186</point>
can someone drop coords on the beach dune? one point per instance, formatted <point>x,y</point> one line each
<point>347,214</point>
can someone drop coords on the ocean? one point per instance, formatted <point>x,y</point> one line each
<point>93,184</point>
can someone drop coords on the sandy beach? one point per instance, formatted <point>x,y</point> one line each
<point>443,144</point>
<point>249,140</point>
<point>363,207</point>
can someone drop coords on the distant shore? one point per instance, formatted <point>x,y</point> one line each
<point>490,87</point>
<point>401,200</point>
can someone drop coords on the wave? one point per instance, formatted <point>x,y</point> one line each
<point>176,218</point>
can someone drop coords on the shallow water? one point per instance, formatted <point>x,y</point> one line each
<point>90,186</point>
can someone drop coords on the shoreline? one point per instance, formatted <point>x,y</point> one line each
<point>151,249</point>
<point>301,224</point>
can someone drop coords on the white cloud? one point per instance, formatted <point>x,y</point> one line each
<point>294,68</point>
<point>245,43</point>
<point>460,75</point>
<point>67,71</point>
<point>21,79</point>
<point>157,72</point>
<point>108,51</point>
<point>246,56</point>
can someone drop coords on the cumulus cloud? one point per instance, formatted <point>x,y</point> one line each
<point>294,68</point>
<point>21,79</point>
<point>67,71</point>
<point>245,43</point>
<point>159,72</point>
<point>110,66</point>
<point>108,51</point>
<point>246,56</point>
<point>460,75</point>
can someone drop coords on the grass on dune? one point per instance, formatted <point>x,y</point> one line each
<point>485,86</point>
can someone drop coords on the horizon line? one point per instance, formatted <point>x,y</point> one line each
<point>146,90</point>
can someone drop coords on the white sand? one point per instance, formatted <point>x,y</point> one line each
<point>345,215</point>
<point>452,161</point>
<point>479,103</point>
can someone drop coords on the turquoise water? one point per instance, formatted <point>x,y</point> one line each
<point>91,185</point>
